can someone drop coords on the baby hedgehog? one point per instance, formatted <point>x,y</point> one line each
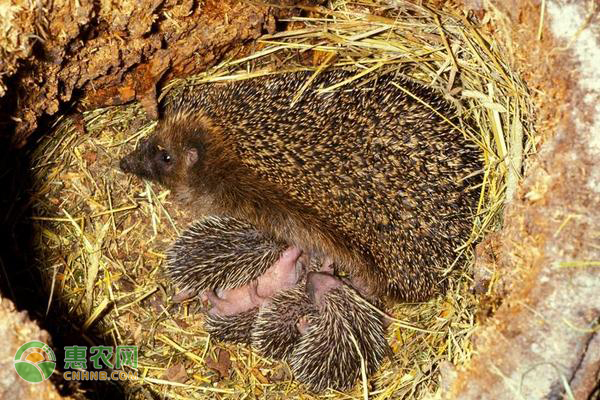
<point>235,267</point>
<point>374,174</point>
<point>208,254</point>
<point>325,330</point>
<point>317,323</point>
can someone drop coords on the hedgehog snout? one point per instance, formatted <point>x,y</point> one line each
<point>131,163</point>
<point>125,164</point>
<point>138,163</point>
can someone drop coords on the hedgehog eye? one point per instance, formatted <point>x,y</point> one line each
<point>165,157</point>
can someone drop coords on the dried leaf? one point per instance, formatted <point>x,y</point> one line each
<point>222,364</point>
<point>259,376</point>
<point>176,373</point>
<point>90,157</point>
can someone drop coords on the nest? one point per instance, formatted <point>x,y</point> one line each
<point>101,236</point>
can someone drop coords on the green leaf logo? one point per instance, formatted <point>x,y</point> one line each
<point>35,361</point>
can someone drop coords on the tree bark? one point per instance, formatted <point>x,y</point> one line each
<point>544,340</point>
<point>104,53</point>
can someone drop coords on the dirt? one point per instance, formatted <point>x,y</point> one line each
<point>17,329</point>
<point>543,339</point>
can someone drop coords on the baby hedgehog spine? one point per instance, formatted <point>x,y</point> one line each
<point>231,328</point>
<point>275,331</point>
<point>342,335</point>
<point>220,252</point>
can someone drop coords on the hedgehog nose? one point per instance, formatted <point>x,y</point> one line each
<point>125,164</point>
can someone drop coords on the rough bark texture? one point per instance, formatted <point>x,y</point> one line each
<point>544,339</point>
<point>52,52</point>
<point>17,329</point>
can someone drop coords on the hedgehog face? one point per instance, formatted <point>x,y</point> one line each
<point>159,161</point>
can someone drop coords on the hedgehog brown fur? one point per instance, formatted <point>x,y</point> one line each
<point>367,175</point>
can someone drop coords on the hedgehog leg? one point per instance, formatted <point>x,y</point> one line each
<point>284,274</point>
<point>232,301</point>
<point>187,294</point>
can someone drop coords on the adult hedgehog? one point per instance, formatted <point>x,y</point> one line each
<point>374,175</point>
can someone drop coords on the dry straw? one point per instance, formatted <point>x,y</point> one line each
<point>101,235</point>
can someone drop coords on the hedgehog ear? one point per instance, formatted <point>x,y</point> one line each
<point>191,156</point>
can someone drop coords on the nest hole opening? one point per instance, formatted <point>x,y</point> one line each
<point>90,241</point>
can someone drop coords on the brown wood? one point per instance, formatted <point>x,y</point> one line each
<point>104,54</point>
